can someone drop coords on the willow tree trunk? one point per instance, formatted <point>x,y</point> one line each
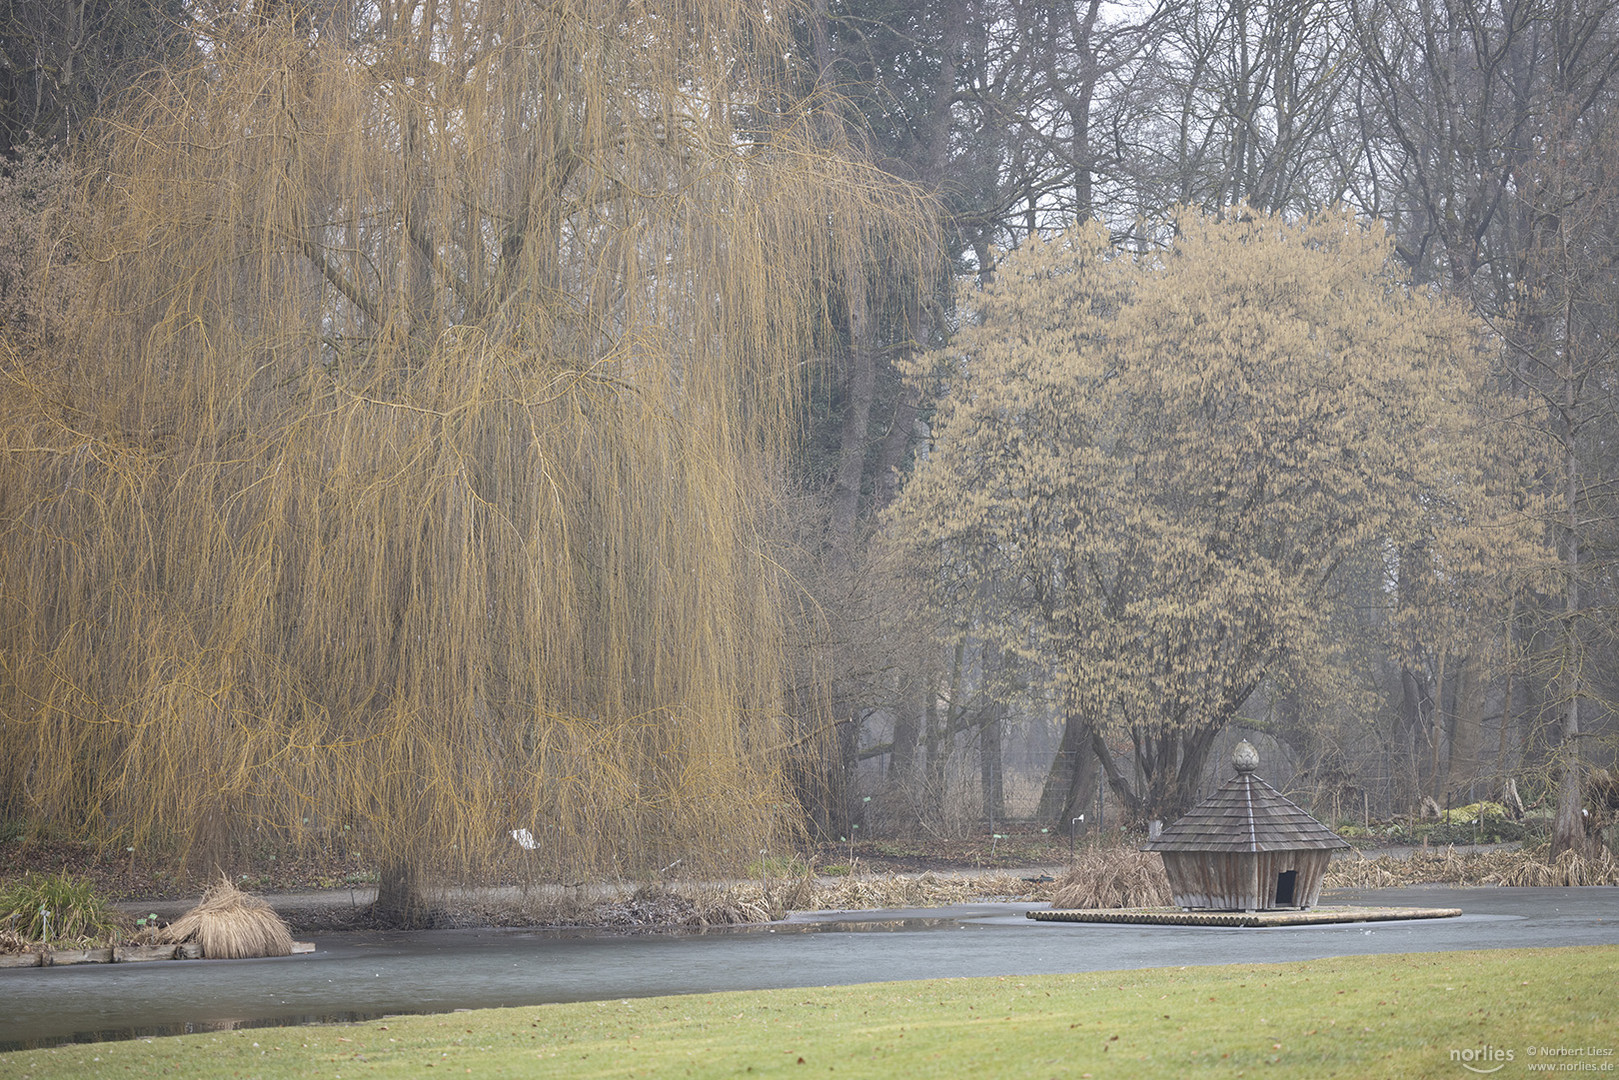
<point>399,900</point>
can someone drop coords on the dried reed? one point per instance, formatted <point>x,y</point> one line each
<point>675,907</point>
<point>1569,868</point>
<point>923,890</point>
<point>1112,877</point>
<point>694,907</point>
<point>231,925</point>
<point>1449,867</point>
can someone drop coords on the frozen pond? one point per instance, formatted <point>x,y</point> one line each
<point>353,976</point>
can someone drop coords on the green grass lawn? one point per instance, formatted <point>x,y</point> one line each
<point>1374,1016</point>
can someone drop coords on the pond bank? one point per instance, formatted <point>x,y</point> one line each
<point>371,974</point>
<point>659,907</point>
<point>699,905</point>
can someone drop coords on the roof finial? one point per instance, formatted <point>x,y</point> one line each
<point>1245,758</point>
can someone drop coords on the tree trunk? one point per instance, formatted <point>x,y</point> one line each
<point>859,390</point>
<point>1436,732</point>
<point>1176,760</point>
<point>907,403</point>
<point>1508,709</point>
<point>1071,781</point>
<point>860,378</point>
<point>907,736</point>
<point>849,810</point>
<point>1126,792</point>
<point>941,736</point>
<point>399,900</point>
<point>1466,726</point>
<point>926,797</point>
<point>1416,703</point>
<point>208,852</point>
<point>1169,766</point>
<point>1568,830</point>
<point>990,776</point>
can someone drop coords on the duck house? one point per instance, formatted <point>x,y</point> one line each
<point>1247,847</point>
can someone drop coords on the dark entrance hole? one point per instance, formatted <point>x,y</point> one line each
<point>1286,882</point>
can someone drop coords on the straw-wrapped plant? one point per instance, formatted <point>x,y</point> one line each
<point>230,925</point>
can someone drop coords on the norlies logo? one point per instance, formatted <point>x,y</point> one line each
<point>1474,1058</point>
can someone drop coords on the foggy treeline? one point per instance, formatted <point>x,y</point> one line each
<point>448,416</point>
<point>1482,137</point>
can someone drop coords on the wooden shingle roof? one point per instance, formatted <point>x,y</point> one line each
<point>1246,814</point>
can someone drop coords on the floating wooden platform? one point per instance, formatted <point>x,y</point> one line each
<point>123,954</point>
<point>1181,917</point>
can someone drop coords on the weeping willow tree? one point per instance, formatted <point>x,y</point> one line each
<point>403,472</point>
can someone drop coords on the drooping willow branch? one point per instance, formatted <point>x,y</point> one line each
<point>507,568</point>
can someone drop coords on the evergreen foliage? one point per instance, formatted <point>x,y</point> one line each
<point>55,907</point>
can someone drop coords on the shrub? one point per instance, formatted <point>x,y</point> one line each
<point>1476,823</point>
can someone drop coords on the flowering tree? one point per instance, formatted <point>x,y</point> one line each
<point>1160,466</point>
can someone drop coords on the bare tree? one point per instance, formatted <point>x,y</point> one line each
<point>61,61</point>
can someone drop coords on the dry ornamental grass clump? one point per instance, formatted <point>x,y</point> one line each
<point>1113,877</point>
<point>231,925</point>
